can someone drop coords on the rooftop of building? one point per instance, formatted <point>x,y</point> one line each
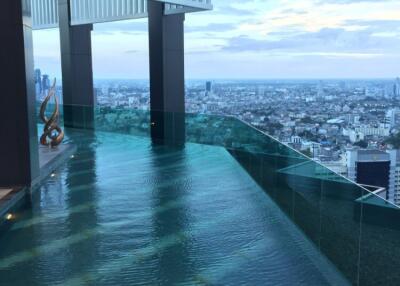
<point>371,152</point>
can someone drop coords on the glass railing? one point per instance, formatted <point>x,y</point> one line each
<point>356,229</point>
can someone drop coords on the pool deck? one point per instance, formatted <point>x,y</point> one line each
<point>4,193</point>
<point>10,199</point>
<point>49,160</point>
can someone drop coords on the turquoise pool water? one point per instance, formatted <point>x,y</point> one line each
<point>125,212</point>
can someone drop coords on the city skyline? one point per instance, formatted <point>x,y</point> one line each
<point>266,80</point>
<point>266,39</point>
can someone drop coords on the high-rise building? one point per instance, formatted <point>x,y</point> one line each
<point>208,86</point>
<point>397,179</point>
<point>260,90</point>
<point>38,82</point>
<point>374,168</point>
<point>342,86</point>
<point>45,83</point>
<point>321,92</point>
<point>96,92</point>
<point>390,118</point>
<point>396,88</point>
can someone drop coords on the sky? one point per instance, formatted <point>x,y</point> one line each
<point>255,39</point>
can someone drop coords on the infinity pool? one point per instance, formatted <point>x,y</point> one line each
<point>126,212</point>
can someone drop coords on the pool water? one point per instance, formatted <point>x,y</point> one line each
<point>126,212</point>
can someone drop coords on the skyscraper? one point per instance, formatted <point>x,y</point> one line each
<point>38,82</point>
<point>45,83</point>
<point>260,90</point>
<point>320,92</point>
<point>390,118</point>
<point>208,86</point>
<point>396,88</point>
<point>373,168</point>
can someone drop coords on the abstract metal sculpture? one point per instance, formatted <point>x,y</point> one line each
<point>51,129</point>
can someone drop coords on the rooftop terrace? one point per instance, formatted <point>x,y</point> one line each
<point>227,205</point>
<point>164,197</point>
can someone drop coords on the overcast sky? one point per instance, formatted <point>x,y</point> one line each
<point>258,39</point>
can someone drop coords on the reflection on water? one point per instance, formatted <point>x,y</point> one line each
<point>84,254</point>
<point>168,164</point>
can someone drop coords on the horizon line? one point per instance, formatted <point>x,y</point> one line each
<point>260,79</point>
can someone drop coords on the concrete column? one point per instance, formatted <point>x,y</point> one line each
<point>167,73</point>
<point>19,161</point>
<point>77,70</point>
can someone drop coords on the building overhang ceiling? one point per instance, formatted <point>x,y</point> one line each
<point>45,12</point>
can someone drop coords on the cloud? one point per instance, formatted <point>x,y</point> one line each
<point>233,11</point>
<point>327,40</point>
<point>376,25</point>
<point>212,27</point>
<point>351,1</point>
